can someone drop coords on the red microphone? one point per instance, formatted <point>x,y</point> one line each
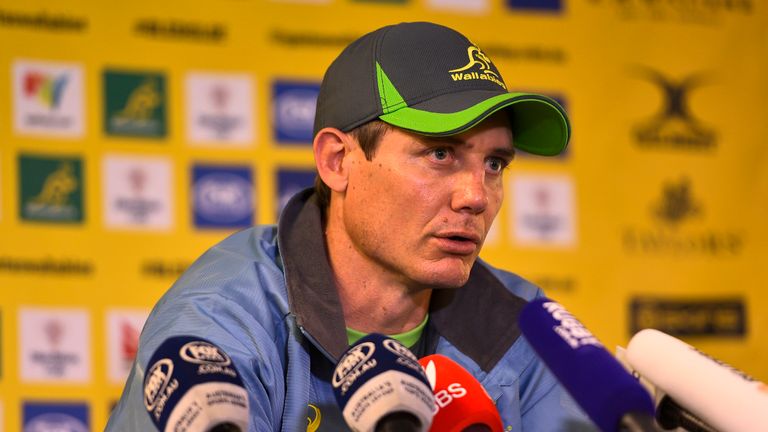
<point>461,402</point>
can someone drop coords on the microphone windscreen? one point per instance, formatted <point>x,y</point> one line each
<point>379,376</point>
<point>461,401</point>
<point>593,377</point>
<point>192,385</point>
<point>723,397</point>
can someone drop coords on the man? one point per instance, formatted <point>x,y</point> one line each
<point>414,128</point>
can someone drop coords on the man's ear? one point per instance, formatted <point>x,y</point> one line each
<point>330,146</point>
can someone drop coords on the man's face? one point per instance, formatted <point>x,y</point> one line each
<point>421,208</point>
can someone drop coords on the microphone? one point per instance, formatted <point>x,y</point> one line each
<point>191,385</point>
<point>381,387</point>
<point>669,414</point>
<point>462,403</point>
<point>607,393</point>
<point>725,398</point>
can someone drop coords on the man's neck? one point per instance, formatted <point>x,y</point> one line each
<point>372,298</point>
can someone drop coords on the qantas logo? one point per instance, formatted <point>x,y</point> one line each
<point>46,88</point>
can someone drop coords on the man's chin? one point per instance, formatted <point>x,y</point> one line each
<point>451,278</point>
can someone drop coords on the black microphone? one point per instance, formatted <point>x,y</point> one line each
<point>670,415</point>
<point>381,387</point>
<point>192,385</point>
<point>607,393</point>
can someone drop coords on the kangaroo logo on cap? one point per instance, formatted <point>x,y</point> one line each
<point>478,60</point>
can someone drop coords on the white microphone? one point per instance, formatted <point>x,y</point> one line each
<point>725,398</point>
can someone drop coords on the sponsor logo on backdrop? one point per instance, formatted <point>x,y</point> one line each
<point>543,210</point>
<point>55,345</point>
<point>158,268</point>
<point>290,182</point>
<point>536,5</point>
<point>137,192</point>
<point>46,266</point>
<point>382,1</point>
<point>676,218</point>
<point>463,6</point>
<point>689,12</point>
<point>135,104</point>
<point>294,111</point>
<point>219,109</point>
<point>50,189</point>
<point>556,283</point>
<point>308,37</point>
<point>674,126</point>
<point>123,330</point>
<point>43,20</point>
<point>59,417</point>
<point>725,317</point>
<point>222,196</point>
<point>48,99</point>
<point>527,53</point>
<point>174,29</point>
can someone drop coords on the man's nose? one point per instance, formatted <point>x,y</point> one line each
<point>470,192</point>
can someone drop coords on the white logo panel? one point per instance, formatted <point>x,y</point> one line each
<point>123,330</point>
<point>55,345</point>
<point>137,192</point>
<point>48,99</point>
<point>543,210</point>
<point>219,109</point>
<point>462,6</point>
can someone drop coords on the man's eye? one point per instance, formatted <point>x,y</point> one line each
<point>497,165</point>
<point>440,153</point>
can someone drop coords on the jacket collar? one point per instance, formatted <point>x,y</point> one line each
<point>480,318</point>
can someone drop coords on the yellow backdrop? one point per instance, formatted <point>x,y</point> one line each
<point>655,217</point>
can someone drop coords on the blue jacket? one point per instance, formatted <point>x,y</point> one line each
<point>266,296</point>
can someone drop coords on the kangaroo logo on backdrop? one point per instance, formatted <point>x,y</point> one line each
<point>137,192</point>
<point>294,111</point>
<point>223,196</point>
<point>135,104</point>
<point>48,417</point>
<point>219,109</point>
<point>542,213</point>
<point>51,189</point>
<point>674,125</point>
<point>676,228</point>
<point>48,99</point>
<point>479,67</point>
<point>54,345</point>
<point>677,203</point>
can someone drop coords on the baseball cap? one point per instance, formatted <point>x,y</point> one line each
<point>431,80</point>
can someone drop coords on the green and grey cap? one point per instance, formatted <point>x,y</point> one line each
<point>433,81</point>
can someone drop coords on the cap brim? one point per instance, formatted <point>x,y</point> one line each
<point>539,124</point>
